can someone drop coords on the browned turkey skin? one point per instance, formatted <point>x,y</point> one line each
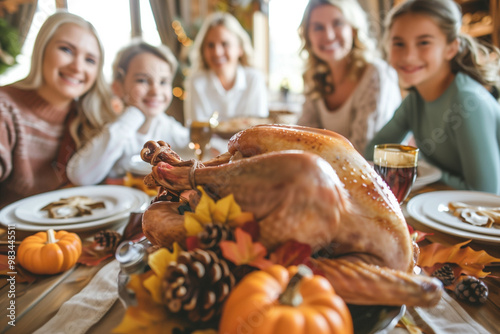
<point>312,186</point>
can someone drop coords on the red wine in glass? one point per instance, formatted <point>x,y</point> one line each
<point>399,179</point>
<point>397,165</point>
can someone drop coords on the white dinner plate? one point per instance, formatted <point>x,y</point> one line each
<point>426,174</point>
<point>415,210</point>
<point>435,206</point>
<point>139,204</point>
<point>115,200</point>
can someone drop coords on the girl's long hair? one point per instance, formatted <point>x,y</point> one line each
<point>94,107</point>
<point>479,60</point>
<point>317,75</point>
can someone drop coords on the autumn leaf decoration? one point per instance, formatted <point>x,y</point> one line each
<point>158,261</point>
<point>244,251</point>
<point>291,253</point>
<point>147,316</point>
<point>417,235</point>
<point>224,211</point>
<point>469,261</point>
<point>150,315</point>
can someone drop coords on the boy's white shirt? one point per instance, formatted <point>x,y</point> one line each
<point>109,153</point>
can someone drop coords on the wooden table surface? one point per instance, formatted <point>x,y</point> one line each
<point>38,303</point>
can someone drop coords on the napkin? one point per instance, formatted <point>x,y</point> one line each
<point>446,317</point>
<point>87,307</point>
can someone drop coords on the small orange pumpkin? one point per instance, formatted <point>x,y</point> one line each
<point>280,300</point>
<point>49,253</point>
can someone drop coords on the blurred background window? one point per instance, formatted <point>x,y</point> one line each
<point>285,65</point>
<point>45,8</point>
<point>111,18</point>
<point>112,22</point>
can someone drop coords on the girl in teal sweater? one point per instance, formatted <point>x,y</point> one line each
<point>452,115</point>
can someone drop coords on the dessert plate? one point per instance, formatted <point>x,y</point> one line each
<point>139,204</point>
<point>117,199</point>
<point>414,209</point>
<point>435,206</point>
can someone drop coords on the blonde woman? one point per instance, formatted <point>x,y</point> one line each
<point>62,103</point>
<point>454,118</point>
<point>348,89</point>
<point>221,76</point>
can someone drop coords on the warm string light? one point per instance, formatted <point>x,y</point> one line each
<point>179,92</point>
<point>181,34</point>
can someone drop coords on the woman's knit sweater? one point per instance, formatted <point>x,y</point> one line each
<point>32,158</point>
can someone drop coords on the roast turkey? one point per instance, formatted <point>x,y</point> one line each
<point>310,185</point>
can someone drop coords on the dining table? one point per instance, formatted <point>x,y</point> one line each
<point>84,299</point>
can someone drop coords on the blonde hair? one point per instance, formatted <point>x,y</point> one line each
<point>479,60</point>
<point>93,107</point>
<point>135,48</point>
<point>230,23</point>
<point>317,75</point>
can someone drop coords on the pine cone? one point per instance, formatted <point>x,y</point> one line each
<point>212,234</point>
<point>108,239</point>
<point>445,274</point>
<point>472,290</point>
<point>197,285</point>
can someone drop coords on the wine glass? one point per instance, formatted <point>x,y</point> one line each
<point>200,134</point>
<point>397,165</point>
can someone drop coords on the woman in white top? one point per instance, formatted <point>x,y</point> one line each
<point>143,77</point>
<point>221,77</point>
<point>348,89</point>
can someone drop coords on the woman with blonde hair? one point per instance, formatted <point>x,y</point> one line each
<point>47,116</point>
<point>452,115</point>
<point>348,88</point>
<point>221,76</point>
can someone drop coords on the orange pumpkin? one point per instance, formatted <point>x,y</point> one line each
<point>277,300</point>
<point>49,253</point>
